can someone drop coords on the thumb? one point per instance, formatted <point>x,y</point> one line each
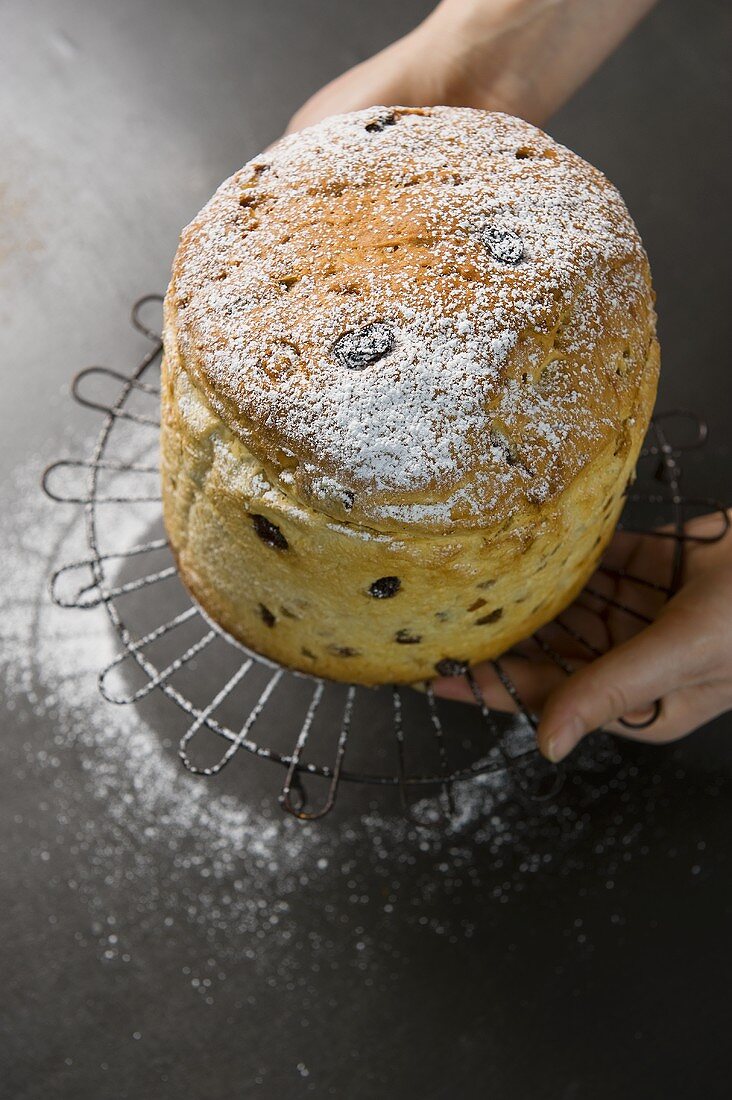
<point>627,679</point>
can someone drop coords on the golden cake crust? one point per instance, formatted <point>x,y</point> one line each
<point>495,278</point>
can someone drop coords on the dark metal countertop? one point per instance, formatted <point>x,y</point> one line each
<point>164,937</point>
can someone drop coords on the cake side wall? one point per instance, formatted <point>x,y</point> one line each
<point>296,586</point>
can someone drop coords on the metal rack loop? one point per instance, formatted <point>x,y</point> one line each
<point>115,467</point>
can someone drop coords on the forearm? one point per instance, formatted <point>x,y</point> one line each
<point>526,57</point>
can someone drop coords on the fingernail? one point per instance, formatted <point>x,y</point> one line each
<point>561,743</point>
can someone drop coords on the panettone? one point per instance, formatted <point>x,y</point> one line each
<point>410,359</point>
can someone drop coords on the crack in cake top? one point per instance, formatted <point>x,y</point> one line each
<point>416,318</point>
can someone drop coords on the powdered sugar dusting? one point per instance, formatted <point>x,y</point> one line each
<point>483,265</point>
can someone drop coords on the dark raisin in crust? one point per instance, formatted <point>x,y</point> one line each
<point>492,617</point>
<point>503,244</point>
<point>343,651</point>
<point>376,125</point>
<point>403,637</point>
<point>266,614</point>
<point>449,666</point>
<point>358,349</point>
<point>385,587</point>
<point>269,532</point>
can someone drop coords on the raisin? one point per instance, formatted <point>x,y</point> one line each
<point>500,442</point>
<point>385,587</point>
<point>267,616</point>
<point>449,666</point>
<point>403,637</point>
<point>361,347</point>
<point>269,532</point>
<point>343,651</point>
<point>376,125</point>
<point>492,617</point>
<point>503,244</point>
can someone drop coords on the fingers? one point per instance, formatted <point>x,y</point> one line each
<point>625,681</point>
<point>534,680</point>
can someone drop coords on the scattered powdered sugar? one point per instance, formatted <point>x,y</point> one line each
<point>463,245</point>
<point>177,853</point>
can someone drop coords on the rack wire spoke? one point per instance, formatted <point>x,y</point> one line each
<point>617,604</point>
<point>133,648</point>
<point>202,720</point>
<point>158,678</point>
<point>293,781</point>
<point>632,578</point>
<point>540,790</point>
<point>435,815</point>
<point>495,734</point>
<point>92,563</point>
<point>552,654</point>
<point>578,637</point>
<point>104,595</point>
<point>447,791</point>
<point>292,777</point>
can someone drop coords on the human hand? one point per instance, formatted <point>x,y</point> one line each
<point>524,57</point>
<point>678,651</point>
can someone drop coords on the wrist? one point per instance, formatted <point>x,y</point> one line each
<point>525,57</point>
<point>470,23</point>
<point>466,47</point>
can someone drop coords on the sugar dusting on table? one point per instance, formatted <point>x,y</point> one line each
<point>177,853</point>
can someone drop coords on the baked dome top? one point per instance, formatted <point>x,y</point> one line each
<point>416,319</point>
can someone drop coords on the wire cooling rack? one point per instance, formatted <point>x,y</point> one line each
<point>169,655</point>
